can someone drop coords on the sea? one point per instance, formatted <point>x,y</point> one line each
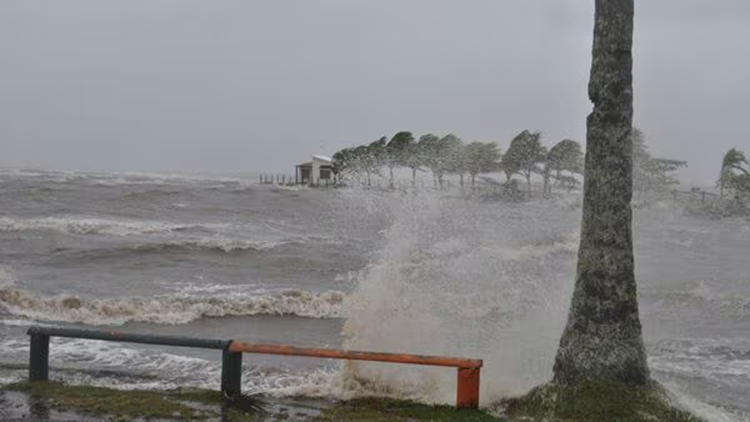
<point>414,270</point>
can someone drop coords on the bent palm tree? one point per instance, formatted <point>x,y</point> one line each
<point>733,161</point>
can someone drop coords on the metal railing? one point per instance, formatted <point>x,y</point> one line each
<point>467,395</point>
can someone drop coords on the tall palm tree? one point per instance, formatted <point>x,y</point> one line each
<point>603,340</point>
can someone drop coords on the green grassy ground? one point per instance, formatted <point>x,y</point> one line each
<point>119,405</point>
<point>383,410</point>
<point>596,401</point>
<point>198,404</point>
<point>591,402</point>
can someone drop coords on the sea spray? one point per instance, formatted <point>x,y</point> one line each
<point>455,277</point>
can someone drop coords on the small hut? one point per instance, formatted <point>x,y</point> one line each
<point>315,172</point>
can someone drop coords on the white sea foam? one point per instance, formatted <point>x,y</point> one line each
<point>721,360</point>
<point>183,235</point>
<point>156,369</point>
<point>23,323</point>
<point>566,246</point>
<point>6,277</point>
<point>700,409</point>
<point>725,297</point>
<point>122,178</point>
<point>84,226</point>
<point>169,309</point>
<point>220,243</point>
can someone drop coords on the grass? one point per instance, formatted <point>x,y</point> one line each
<point>386,410</point>
<point>124,405</point>
<point>596,401</point>
<point>589,402</point>
<point>199,404</point>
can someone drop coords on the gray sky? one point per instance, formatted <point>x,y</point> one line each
<point>226,86</point>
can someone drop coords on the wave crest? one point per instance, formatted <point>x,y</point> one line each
<point>87,226</point>
<point>221,244</point>
<point>169,309</point>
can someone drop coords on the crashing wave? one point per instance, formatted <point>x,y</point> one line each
<point>220,244</point>
<point>563,246</point>
<point>120,178</point>
<point>168,309</point>
<point>88,226</point>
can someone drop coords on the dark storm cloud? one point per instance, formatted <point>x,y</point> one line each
<point>242,86</point>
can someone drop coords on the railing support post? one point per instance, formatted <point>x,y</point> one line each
<point>467,396</point>
<point>231,373</point>
<point>39,358</point>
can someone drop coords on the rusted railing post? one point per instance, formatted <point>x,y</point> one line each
<point>231,373</point>
<point>39,358</point>
<point>467,391</point>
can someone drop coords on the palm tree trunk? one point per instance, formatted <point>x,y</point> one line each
<point>603,339</point>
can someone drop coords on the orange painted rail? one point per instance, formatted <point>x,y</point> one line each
<point>467,395</point>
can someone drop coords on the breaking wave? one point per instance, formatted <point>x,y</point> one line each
<point>722,360</point>
<point>726,298</point>
<point>121,178</point>
<point>206,236</point>
<point>218,243</point>
<point>92,226</point>
<point>170,308</point>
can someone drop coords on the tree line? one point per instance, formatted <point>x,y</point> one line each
<point>560,165</point>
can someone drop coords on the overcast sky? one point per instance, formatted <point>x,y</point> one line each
<point>227,86</point>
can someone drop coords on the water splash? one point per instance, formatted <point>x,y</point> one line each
<point>469,279</point>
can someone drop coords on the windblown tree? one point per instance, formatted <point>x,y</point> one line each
<point>413,159</point>
<point>429,153</point>
<point>440,155</point>
<point>602,340</point>
<point>481,157</point>
<point>651,173</point>
<point>732,170</point>
<point>343,162</point>
<point>397,150</point>
<point>566,155</point>
<point>451,157</point>
<point>524,156</point>
<point>368,159</point>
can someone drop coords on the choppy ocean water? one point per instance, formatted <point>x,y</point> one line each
<point>423,272</point>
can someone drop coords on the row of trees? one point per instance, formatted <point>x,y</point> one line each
<point>441,156</point>
<point>450,155</point>
<point>526,156</point>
